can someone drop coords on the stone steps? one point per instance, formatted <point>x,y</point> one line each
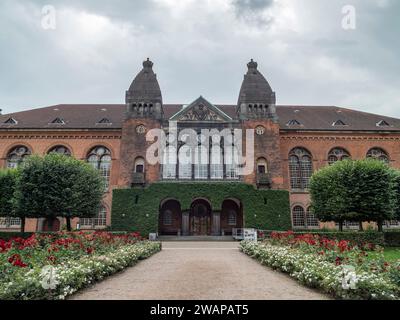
<point>195,238</point>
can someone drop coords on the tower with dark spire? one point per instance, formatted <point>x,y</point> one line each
<point>144,99</point>
<point>256,98</point>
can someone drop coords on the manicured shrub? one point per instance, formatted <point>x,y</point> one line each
<point>359,190</point>
<point>392,238</point>
<point>57,186</point>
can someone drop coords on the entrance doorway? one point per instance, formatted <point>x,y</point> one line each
<point>170,218</point>
<point>200,218</point>
<point>51,224</point>
<point>231,215</point>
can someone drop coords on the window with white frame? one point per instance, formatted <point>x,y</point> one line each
<point>337,154</point>
<point>169,163</point>
<point>17,155</point>
<point>100,158</point>
<point>216,163</point>
<point>312,220</point>
<point>201,163</point>
<point>300,168</point>
<point>378,154</point>
<point>298,216</point>
<point>232,162</point>
<point>10,222</point>
<point>61,150</point>
<point>185,162</point>
<point>100,220</point>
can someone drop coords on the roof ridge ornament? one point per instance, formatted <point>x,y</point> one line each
<point>147,64</point>
<point>252,64</point>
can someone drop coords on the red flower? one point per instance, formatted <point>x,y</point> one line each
<point>89,250</point>
<point>15,260</point>
<point>338,261</point>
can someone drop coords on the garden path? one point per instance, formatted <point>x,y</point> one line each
<point>199,270</point>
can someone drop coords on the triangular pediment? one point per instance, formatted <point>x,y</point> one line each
<point>201,110</point>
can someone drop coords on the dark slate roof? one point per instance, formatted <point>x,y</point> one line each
<point>255,88</point>
<point>88,116</point>
<point>144,88</point>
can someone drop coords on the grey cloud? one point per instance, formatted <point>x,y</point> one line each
<point>251,11</point>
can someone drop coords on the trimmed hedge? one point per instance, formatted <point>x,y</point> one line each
<point>138,209</point>
<point>359,238</point>
<point>8,235</point>
<point>392,238</point>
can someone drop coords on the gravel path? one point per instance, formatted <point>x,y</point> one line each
<point>199,270</point>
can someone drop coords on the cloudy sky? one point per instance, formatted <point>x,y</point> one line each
<point>200,47</point>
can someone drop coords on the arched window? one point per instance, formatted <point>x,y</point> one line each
<point>298,215</point>
<point>262,165</point>
<point>378,154</point>
<point>61,150</point>
<point>139,165</point>
<point>300,168</point>
<point>100,158</point>
<point>100,220</point>
<point>16,156</point>
<point>337,154</point>
<point>312,220</point>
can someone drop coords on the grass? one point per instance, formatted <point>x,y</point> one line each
<point>392,253</point>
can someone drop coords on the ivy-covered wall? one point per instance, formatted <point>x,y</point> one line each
<point>137,209</point>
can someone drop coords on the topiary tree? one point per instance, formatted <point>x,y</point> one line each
<point>8,178</point>
<point>58,186</point>
<point>360,190</point>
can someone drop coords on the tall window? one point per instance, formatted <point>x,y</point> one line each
<point>311,220</point>
<point>232,162</point>
<point>100,159</point>
<point>61,150</point>
<point>378,154</point>
<point>100,220</point>
<point>337,154</point>
<point>16,156</point>
<point>216,163</point>
<point>169,163</point>
<point>185,162</point>
<point>298,215</point>
<point>201,163</point>
<point>300,167</point>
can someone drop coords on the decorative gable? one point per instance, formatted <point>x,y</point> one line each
<point>201,110</point>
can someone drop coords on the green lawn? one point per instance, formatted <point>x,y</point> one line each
<point>392,253</point>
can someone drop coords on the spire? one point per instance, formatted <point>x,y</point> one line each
<point>144,97</point>
<point>144,87</point>
<point>256,98</point>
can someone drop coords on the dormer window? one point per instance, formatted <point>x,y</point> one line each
<point>11,121</point>
<point>338,123</point>
<point>382,123</point>
<point>104,121</point>
<point>293,122</point>
<point>58,121</point>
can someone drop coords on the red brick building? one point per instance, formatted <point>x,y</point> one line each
<point>290,142</point>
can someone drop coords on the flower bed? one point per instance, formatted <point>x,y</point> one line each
<point>55,266</point>
<point>336,267</point>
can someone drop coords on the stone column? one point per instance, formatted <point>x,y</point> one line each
<point>216,225</point>
<point>185,223</point>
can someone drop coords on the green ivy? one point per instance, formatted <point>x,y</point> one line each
<point>137,209</point>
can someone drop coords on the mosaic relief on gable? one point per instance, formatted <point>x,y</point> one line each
<point>200,113</point>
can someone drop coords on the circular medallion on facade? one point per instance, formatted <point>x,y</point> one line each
<point>140,129</point>
<point>260,130</point>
